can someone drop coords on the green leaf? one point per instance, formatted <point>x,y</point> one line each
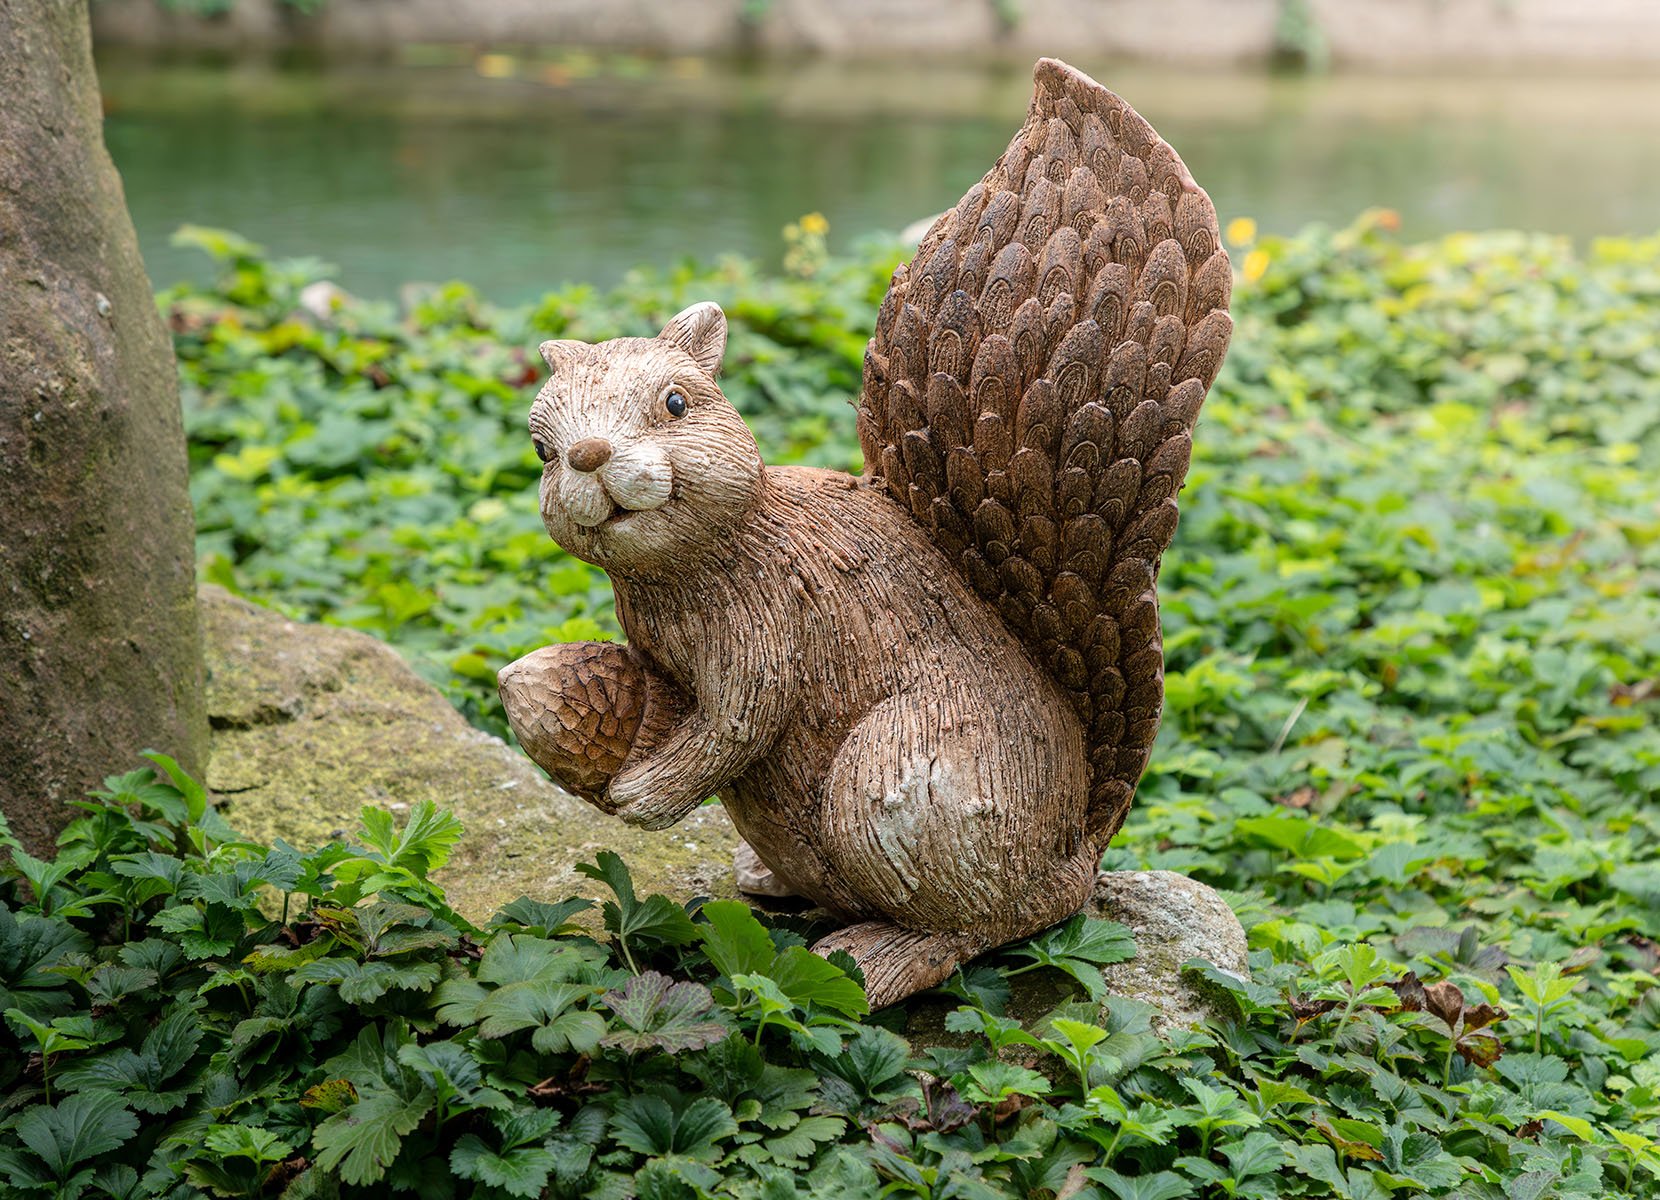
<point>873,1064</point>
<point>420,847</point>
<point>994,1081</point>
<point>545,1007</point>
<point>364,983</point>
<point>42,876</point>
<point>538,918</point>
<point>246,1141</point>
<point>212,932</point>
<point>1159,1185</point>
<point>1257,1153</point>
<point>146,1080</point>
<point>1301,837</point>
<point>194,794</point>
<point>78,1129</point>
<point>812,981</point>
<point>522,1171</point>
<point>361,1141</point>
<point>649,1124</point>
<point>797,1144</point>
<point>1080,946</point>
<point>655,921</point>
<point>736,943</point>
<point>330,1096</point>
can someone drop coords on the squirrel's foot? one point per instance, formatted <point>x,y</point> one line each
<point>754,877</point>
<point>899,962</point>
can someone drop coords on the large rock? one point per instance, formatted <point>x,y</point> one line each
<point>99,651</point>
<point>1174,919</point>
<point>312,722</point>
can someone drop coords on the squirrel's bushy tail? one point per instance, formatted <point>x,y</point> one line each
<point>1031,391</point>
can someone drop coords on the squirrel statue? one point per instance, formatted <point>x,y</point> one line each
<point>924,696</point>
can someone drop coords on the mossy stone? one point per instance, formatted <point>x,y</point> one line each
<point>312,722</point>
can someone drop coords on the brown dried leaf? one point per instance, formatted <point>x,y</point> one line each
<point>1479,1048</point>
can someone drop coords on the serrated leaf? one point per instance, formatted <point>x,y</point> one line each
<point>1080,946</point>
<point>1159,1185</point>
<point>518,958</point>
<point>76,1130</point>
<point>364,983</point>
<point>246,1141</point>
<point>209,933</point>
<point>981,985</point>
<point>1256,1153</point>
<point>146,1079</point>
<point>783,1093</point>
<point>993,1081</point>
<point>796,1145</point>
<point>521,1171</point>
<point>658,1013</point>
<point>654,920</point>
<point>873,1064</point>
<point>361,1141</point>
<point>193,793</point>
<point>545,1007</point>
<point>330,1096</point>
<point>728,1069</point>
<point>539,918</point>
<point>420,847</point>
<point>649,1124</point>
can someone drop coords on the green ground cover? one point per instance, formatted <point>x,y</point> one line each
<point>1413,626</point>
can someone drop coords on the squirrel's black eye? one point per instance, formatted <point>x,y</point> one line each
<point>541,448</point>
<point>675,403</point>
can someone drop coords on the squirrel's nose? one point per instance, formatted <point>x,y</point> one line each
<point>590,454</point>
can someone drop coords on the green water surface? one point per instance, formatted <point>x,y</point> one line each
<point>516,173</point>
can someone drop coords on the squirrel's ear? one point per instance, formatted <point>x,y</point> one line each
<point>701,332</point>
<point>557,353</point>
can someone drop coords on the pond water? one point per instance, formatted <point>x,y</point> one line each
<point>519,173</point>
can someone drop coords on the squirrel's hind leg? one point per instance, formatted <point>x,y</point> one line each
<point>899,962</point>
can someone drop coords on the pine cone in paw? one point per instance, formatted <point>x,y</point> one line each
<point>579,708</point>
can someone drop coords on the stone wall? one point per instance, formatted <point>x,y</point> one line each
<point>1379,33</point>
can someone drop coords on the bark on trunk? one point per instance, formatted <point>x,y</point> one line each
<point>100,652</point>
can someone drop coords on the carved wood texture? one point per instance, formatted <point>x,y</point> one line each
<point>925,697</point>
<point>1031,391</point>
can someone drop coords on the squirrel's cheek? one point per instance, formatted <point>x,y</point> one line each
<point>583,499</point>
<point>639,482</point>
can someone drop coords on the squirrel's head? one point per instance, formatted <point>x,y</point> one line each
<point>647,462</point>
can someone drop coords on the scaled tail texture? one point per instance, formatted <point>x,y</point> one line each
<point>1031,391</point>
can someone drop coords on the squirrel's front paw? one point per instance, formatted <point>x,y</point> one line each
<point>639,804</point>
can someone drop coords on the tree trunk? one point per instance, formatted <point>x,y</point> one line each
<point>100,653</point>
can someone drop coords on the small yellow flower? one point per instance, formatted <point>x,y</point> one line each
<point>814,223</point>
<point>1256,265</point>
<point>496,66</point>
<point>1242,231</point>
